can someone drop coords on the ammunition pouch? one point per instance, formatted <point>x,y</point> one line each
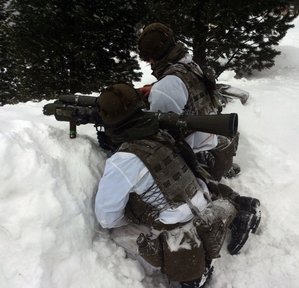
<point>184,260</point>
<point>212,226</point>
<point>150,250</point>
<point>179,253</point>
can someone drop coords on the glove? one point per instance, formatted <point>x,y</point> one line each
<point>145,90</point>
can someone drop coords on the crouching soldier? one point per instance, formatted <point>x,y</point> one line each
<point>149,194</point>
<point>183,87</point>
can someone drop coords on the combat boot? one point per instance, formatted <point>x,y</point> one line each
<point>247,221</point>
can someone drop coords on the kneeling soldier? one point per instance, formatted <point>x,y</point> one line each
<point>178,221</point>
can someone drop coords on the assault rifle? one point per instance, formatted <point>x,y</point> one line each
<point>80,110</point>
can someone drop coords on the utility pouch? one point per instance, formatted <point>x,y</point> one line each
<point>183,255</point>
<point>212,226</point>
<point>150,250</point>
<point>178,252</point>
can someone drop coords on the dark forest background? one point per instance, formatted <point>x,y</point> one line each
<point>52,47</point>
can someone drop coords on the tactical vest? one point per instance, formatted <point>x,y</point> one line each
<point>173,178</point>
<point>200,102</point>
<point>177,183</point>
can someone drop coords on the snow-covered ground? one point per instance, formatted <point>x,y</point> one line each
<point>48,234</point>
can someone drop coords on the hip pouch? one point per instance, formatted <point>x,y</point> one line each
<point>178,252</point>
<point>150,250</point>
<point>212,226</point>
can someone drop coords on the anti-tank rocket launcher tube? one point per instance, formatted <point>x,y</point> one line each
<point>78,110</point>
<point>223,124</point>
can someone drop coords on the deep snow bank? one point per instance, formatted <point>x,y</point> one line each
<point>48,234</point>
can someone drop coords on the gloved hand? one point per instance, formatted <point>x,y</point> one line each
<point>145,90</point>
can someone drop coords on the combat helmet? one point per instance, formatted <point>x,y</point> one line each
<point>117,103</point>
<point>155,41</point>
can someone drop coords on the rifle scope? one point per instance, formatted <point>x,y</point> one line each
<point>78,100</point>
